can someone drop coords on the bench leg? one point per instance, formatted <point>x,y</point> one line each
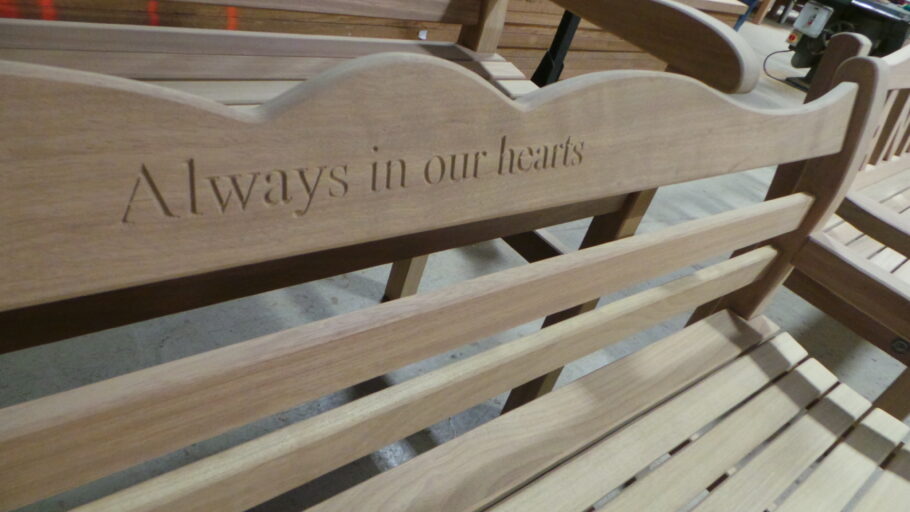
<point>603,228</point>
<point>896,399</point>
<point>405,278</point>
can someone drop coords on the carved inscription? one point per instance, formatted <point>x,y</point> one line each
<point>297,188</point>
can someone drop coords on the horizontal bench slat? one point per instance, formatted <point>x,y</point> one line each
<point>473,470</point>
<point>891,492</point>
<point>266,467</point>
<point>152,412</point>
<point>756,485</point>
<point>55,35</point>
<point>589,476</point>
<point>679,480</point>
<point>843,472</point>
<point>194,152</point>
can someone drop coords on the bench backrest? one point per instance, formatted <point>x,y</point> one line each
<point>246,69</point>
<point>890,144</point>
<point>110,183</point>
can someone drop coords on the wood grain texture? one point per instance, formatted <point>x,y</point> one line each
<point>185,176</point>
<point>483,35</point>
<point>602,229</point>
<point>859,322</point>
<point>843,472</point>
<point>688,40</point>
<point>26,327</point>
<point>891,492</point>
<point>756,485</point>
<point>477,468</point>
<point>258,470</point>
<point>137,417</point>
<point>687,473</point>
<point>587,477</point>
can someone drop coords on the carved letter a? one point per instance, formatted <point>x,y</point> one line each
<point>144,176</point>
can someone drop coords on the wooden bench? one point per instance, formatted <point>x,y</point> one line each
<point>245,69</point>
<point>856,269</point>
<point>121,191</point>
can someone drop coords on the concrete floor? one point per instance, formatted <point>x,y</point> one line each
<point>64,365</point>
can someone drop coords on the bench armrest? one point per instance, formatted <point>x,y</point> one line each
<point>690,41</point>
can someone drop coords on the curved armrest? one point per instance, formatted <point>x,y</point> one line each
<point>877,221</point>
<point>690,41</point>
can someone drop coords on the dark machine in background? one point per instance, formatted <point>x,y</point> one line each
<point>885,24</point>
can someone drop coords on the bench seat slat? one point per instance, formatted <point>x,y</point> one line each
<point>842,474</point>
<point>755,487</point>
<point>471,471</point>
<point>586,478</point>
<point>680,479</point>
<point>891,492</point>
<point>261,469</point>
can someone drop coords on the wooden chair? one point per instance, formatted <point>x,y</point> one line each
<point>120,190</point>
<point>244,69</point>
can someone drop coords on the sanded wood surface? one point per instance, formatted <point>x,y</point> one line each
<point>258,470</point>
<point>190,177</point>
<point>755,486</point>
<point>843,472</point>
<point>137,419</point>
<point>475,469</point>
<point>679,480</point>
<point>584,479</point>
<point>891,492</point>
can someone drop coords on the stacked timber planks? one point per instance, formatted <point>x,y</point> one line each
<point>529,28</point>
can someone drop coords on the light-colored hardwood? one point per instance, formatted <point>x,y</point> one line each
<point>404,277</point>
<point>579,482</point>
<point>484,36</point>
<point>137,418</point>
<point>891,492</point>
<point>870,288</point>
<point>78,146</point>
<point>843,472</point>
<point>255,471</point>
<point>828,188</point>
<point>693,469</point>
<point>877,221</point>
<point>475,469</point>
<point>755,486</point>
<point>154,140</point>
<point>603,228</point>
